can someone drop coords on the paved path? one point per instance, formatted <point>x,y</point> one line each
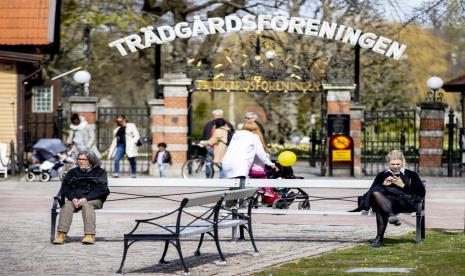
<point>26,250</point>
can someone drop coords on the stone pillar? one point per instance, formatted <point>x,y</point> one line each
<point>338,98</point>
<point>169,118</point>
<point>356,118</point>
<point>338,101</point>
<point>156,113</point>
<point>85,107</point>
<point>431,138</point>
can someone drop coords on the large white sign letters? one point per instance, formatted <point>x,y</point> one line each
<point>310,27</point>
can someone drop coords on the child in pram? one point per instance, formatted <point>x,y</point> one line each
<point>279,198</point>
<point>48,160</point>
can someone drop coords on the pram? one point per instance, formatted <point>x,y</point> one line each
<point>282,198</point>
<point>52,157</point>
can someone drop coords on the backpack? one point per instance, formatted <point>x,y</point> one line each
<point>230,135</point>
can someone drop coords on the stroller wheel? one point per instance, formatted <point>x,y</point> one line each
<point>44,176</point>
<point>62,175</point>
<point>30,176</point>
<point>280,203</point>
<point>305,205</point>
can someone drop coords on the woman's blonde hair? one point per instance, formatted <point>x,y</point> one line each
<point>396,155</point>
<point>253,127</point>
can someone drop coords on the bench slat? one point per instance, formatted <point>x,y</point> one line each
<point>239,194</point>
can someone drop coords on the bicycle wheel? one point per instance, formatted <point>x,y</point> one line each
<point>197,168</point>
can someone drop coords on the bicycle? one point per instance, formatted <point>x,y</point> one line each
<point>201,165</point>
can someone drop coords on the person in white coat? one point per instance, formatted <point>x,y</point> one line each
<point>125,138</point>
<point>244,147</point>
<point>81,136</point>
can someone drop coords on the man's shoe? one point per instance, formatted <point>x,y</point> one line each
<point>88,239</point>
<point>60,238</point>
<point>394,220</point>
<point>115,175</point>
<point>378,242</point>
<point>133,176</point>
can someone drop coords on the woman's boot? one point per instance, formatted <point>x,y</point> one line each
<point>378,242</point>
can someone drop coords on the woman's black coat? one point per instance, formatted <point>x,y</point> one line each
<point>414,187</point>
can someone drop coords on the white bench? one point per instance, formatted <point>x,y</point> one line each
<point>331,183</point>
<point>315,183</point>
<point>58,199</point>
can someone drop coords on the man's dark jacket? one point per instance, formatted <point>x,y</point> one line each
<point>90,184</point>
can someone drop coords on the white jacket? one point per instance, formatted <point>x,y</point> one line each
<point>241,153</point>
<point>132,135</point>
<point>83,136</point>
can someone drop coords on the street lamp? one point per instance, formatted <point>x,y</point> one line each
<point>434,83</point>
<point>83,77</point>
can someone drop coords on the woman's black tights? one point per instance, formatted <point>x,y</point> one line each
<point>383,212</point>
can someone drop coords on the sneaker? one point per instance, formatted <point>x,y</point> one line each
<point>115,175</point>
<point>394,220</point>
<point>133,176</point>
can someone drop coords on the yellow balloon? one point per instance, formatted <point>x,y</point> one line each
<point>287,158</point>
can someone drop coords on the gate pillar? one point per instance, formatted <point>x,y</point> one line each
<point>169,118</point>
<point>338,102</point>
<point>431,138</point>
<point>356,117</point>
<point>85,107</point>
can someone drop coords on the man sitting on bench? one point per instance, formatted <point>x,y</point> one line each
<point>85,188</point>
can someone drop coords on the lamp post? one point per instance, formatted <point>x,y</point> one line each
<point>434,83</point>
<point>83,77</point>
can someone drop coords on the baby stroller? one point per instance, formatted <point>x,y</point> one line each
<point>282,198</point>
<point>52,158</point>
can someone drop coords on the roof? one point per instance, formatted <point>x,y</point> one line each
<point>27,22</point>
<point>455,85</point>
<point>20,57</point>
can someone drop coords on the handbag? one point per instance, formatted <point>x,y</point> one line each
<point>139,143</point>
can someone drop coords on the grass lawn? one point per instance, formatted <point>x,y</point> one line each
<point>442,253</point>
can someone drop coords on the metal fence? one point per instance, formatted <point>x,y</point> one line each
<point>383,131</point>
<point>106,123</point>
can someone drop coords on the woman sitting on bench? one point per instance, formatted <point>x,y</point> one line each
<point>394,191</point>
<point>85,188</point>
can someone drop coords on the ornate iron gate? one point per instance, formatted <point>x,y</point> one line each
<point>384,131</point>
<point>105,125</point>
<point>44,125</point>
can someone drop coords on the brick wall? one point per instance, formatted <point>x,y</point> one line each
<point>431,138</point>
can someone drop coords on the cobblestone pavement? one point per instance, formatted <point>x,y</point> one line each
<point>26,249</point>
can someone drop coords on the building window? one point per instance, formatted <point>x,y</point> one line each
<point>42,99</point>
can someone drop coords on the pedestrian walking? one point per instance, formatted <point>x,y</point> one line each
<point>125,141</point>
<point>242,150</point>
<point>162,158</point>
<point>81,136</point>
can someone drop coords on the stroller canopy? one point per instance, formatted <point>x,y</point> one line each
<point>48,149</point>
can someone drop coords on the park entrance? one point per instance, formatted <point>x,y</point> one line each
<point>106,123</point>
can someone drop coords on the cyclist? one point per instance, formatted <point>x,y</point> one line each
<point>219,142</point>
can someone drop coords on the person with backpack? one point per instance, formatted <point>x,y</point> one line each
<point>209,127</point>
<point>219,141</point>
